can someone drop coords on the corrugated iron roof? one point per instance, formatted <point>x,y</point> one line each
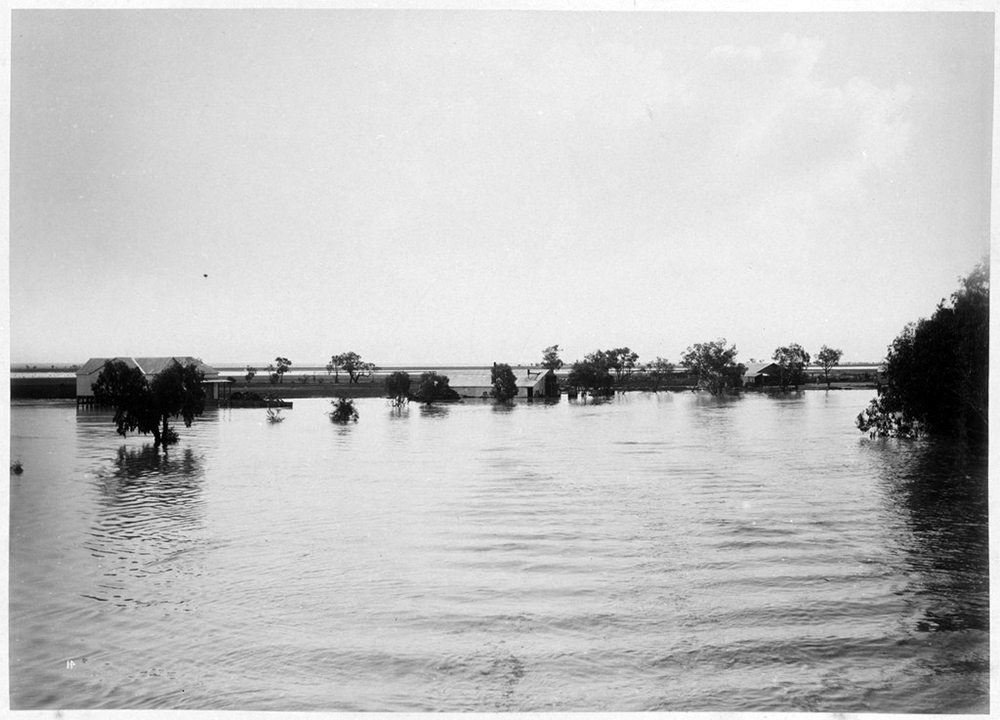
<point>484,378</point>
<point>757,368</point>
<point>148,365</point>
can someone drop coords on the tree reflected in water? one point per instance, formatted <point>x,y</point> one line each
<point>939,488</point>
<point>148,520</point>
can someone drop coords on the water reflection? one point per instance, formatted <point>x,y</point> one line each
<point>940,491</point>
<point>438,412</point>
<point>148,517</point>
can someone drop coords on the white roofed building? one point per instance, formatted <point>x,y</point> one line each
<point>531,383</point>
<point>216,387</point>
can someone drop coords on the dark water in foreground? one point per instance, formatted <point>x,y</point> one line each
<point>668,552</point>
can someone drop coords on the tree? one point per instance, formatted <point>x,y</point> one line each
<point>434,388</point>
<point>336,362</point>
<point>343,411</point>
<point>271,373</point>
<point>504,382</point>
<point>591,374</point>
<point>622,361</point>
<point>792,360</point>
<point>714,365</point>
<point>827,359</point>
<point>352,363</point>
<point>284,364</point>
<point>145,406</point>
<point>251,373</point>
<point>550,358</point>
<point>397,386</point>
<point>658,370</point>
<point>936,371</point>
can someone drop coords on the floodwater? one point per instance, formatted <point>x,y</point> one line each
<point>667,552</point>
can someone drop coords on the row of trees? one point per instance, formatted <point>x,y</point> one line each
<point>349,362</point>
<point>712,363</point>
<point>936,371</point>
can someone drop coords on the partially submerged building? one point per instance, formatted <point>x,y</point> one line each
<point>217,388</point>
<point>531,383</point>
<point>762,374</point>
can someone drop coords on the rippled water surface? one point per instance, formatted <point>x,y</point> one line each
<point>653,552</point>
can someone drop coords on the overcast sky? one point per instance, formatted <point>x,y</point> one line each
<point>467,187</point>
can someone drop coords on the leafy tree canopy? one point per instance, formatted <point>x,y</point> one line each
<point>434,387</point>
<point>504,382</point>
<point>352,363</point>
<point>592,374</point>
<point>343,411</point>
<point>397,387</point>
<point>828,358</point>
<point>145,406</point>
<point>714,365</point>
<point>936,372</point>
<point>550,358</point>
<point>792,360</point>
<point>658,370</point>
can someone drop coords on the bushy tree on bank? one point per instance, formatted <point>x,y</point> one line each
<point>714,365</point>
<point>592,374</point>
<point>504,382</point>
<point>792,360</point>
<point>283,366</point>
<point>145,406</point>
<point>936,372</point>
<point>827,359</point>
<point>351,363</point>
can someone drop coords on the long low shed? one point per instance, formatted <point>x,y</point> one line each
<point>531,383</point>
<point>216,387</point>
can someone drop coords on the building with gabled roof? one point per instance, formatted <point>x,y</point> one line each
<point>531,383</point>
<point>216,387</point>
<point>759,374</point>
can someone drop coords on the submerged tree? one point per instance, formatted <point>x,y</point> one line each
<point>251,373</point>
<point>504,382</point>
<point>592,374</point>
<point>397,387</point>
<point>623,361</point>
<point>144,406</point>
<point>827,359</point>
<point>434,388</point>
<point>343,411</point>
<point>657,371</point>
<point>714,365</point>
<point>936,372</point>
<point>792,360</point>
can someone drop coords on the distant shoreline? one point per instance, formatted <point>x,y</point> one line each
<point>63,388</point>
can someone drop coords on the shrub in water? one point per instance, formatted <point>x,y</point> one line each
<point>274,415</point>
<point>343,411</point>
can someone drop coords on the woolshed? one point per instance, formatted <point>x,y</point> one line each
<point>216,388</point>
<point>531,383</point>
<point>761,374</point>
